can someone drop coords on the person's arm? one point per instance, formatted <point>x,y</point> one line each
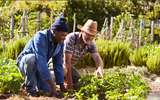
<point>58,68</point>
<point>40,49</point>
<point>67,64</point>
<point>99,63</point>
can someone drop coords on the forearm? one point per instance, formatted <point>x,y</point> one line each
<point>67,64</point>
<point>69,75</point>
<point>99,63</point>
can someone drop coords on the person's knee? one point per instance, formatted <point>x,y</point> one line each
<point>31,60</point>
<point>30,63</point>
<point>65,70</point>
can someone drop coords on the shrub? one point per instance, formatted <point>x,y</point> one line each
<point>147,56</point>
<point>139,57</point>
<point>153,63</point>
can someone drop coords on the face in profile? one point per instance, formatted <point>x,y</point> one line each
<point>59,36</point>
<point>87,38</point>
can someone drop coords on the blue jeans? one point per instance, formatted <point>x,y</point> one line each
<point>27,67</point>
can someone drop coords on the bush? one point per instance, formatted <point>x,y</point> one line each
<point>147,56</point>
<point>153,63</point>
<point>139,57</point>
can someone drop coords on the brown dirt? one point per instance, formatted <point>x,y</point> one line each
<point>22,94</point>
<point>155,89</point>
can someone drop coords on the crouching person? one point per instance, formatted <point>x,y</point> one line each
<point>32,61</point>
<point>76,46</point>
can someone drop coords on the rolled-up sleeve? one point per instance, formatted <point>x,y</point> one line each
<point>40,50</point>
<point>58,66</point>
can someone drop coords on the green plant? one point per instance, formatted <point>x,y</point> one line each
<point>10,78</point>
<point>153,63</point>
<point>139,57</point>
<point>15,47</point>
<point>147,56</point>
<point>118,83</point>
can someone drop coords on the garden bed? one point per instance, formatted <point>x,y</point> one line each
<point>22,94</point>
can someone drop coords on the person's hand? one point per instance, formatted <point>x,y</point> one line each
<point>53,91</point>
<point>63,89</point>
<point>69,86</point>
<point>99,73</point>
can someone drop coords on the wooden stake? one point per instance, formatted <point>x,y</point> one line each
<point>74,25</point>
<point>12,24</point>
<point>112,19</point>
<point>2,39</point>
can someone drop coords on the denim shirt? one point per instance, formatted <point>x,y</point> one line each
<point>42,46</point>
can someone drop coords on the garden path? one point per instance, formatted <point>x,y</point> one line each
<point>155,89</point>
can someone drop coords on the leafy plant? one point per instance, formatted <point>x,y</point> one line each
<point>10,78</point>
<point>116,84</point>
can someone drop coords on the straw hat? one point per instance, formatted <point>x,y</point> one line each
<point>90,27</point>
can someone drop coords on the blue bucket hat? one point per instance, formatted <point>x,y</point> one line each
<point>60,25</point>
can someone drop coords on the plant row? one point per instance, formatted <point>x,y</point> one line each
<point>117,84</point>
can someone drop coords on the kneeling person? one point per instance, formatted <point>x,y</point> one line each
<point>76,46</point>
<point>32,62</point>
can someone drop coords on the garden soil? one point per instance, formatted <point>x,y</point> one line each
<point>22,94</point>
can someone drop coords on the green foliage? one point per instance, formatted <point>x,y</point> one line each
<point>129,71</point>
<point>95,10</point>
<point>153,62</point>
<point>139,57</point>
<point>113,53</point>
<point>115,85</point>
<point>127,20</point>
<point>5,14</point>
<point>10,78</point>
<point>147,56</point>
<point>15,47</point>
<point>153,14</point>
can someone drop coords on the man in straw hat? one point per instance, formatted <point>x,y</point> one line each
<point>76,46</point>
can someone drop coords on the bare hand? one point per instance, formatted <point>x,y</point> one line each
<point>99,73</point>
<point>63,89</point>
<point>69,86</point>
<point>53,92</point>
